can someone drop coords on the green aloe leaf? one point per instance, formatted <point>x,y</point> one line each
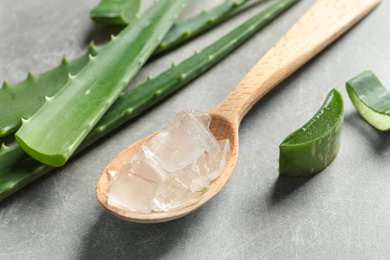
<point>53,133</point>
<point>185,30</point>
<point>312,147</point>
<point>371,99</point>
<point>115,12</point>
<point>17,169</point>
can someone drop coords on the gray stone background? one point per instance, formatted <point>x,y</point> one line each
<point>341,213</point>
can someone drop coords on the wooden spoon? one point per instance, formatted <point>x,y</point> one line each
<point>322,24</point>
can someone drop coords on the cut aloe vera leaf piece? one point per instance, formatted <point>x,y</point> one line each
<point>371,99</point>
<point>53,133</point>
<point>311,148</point>
<point>17,169</point>
<point>115,12</point>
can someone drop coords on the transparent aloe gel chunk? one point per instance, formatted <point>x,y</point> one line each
<point>218,160</point>
<point>202,116</point>
<point>172,194</point>
<point>131,191</point>
<point>173,148</point>
<point>195,176</point>
<point>197,127</point>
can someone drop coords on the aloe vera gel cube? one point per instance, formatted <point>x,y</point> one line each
<point>194,176</point>
<point>131,191</point>
<point>173,148</point>
<point>173,194</point>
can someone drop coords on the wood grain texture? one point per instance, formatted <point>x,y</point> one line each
<point>323,23</point>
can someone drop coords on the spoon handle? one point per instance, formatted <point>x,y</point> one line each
<point>324,22</point>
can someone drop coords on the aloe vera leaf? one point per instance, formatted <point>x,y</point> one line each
<point>10,156</point>
<point>22,169</point>
<point>115,12</point>
<point>188,29</point>
<point>23,99</point>
<point>371,99</point>
<point>53,133</point>
<point>17,170</point>
<point>312,147</point>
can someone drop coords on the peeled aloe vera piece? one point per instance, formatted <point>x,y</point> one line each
<point>371,99</point>
<point>20,169</point>
<point>187,29</point>
<point>23,99</point>
<point>53,133</point>
<point>115,12</point>
<point>311,148</point>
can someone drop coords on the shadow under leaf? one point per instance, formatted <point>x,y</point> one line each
<point>285,186</point>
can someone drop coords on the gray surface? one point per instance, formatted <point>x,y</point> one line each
<point>341,213</point>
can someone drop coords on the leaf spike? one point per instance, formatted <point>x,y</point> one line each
<point>24,121</point>
<point>187,33</point>
<point>30,75</point>
<point>113,37</point>
<point>182,76</point>
<point>211,20</point>
<point>150,77</point>
<point>156,94</point>
<point>173,64</point>
<point>163,45</point>
<point>92,49</point>
<point>48,99</point>
<point>129,110</point>
<point>64,61</point>
<point>70,76</point>
<point>5,84</point>
<point>174,18</point>
<point>4,147</point>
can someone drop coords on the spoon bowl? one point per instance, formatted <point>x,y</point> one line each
<point>325,21</point>
<point>220,127</point>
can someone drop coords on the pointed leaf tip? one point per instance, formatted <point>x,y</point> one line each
<point>64,61</point>
<point>70,76</point>
<point>24,121</point>
<point>48,99</point>
<point>30,75</point>
<point>211,20</point>
<point>92,48</point>
<point>5,84</point>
